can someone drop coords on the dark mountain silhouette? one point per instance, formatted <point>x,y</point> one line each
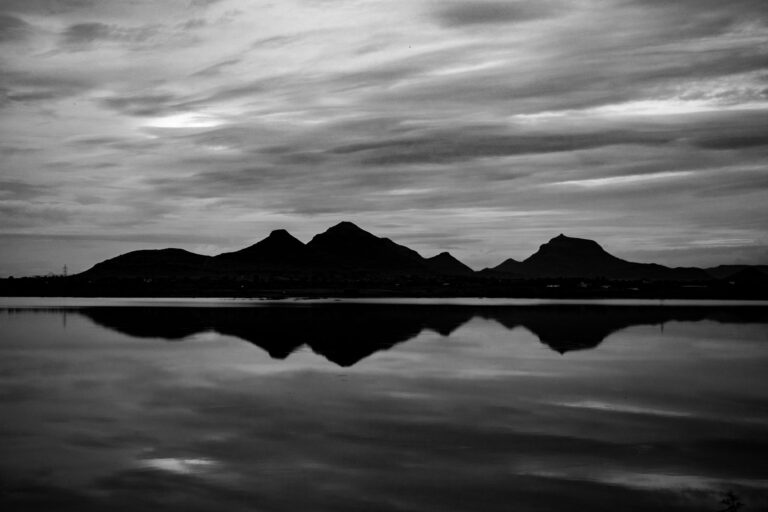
<point>750,277</point>
<point>445,263</point>
<point>565,256</point>
<point>348,260</point>
<point>343,248</point>
<point>510,266</point>
<point>726,271</point>
<point>346,246</point>
<point>149,263</point>
<point>348,333</point>
<point>277,251</point>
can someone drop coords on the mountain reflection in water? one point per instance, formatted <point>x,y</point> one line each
<point>348,333</point>
<point>488,408</point>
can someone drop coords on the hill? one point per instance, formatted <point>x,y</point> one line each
<point>567,257</point>
<point>346,260</point>
<point>445,263</point>
<point>346,246</point>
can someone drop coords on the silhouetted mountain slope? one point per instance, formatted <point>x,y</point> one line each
<point>508,266</point>
<point>347,246</point>
<point>565,256</point>
<point>445,263</point>
<point>750,277</point>
<point>347,333</point>
<point>278,250</point>
<point>152,263</point>
<point>726,271</point>
<point>350,258</point>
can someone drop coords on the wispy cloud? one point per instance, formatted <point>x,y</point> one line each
<point>81,34</point>
<point>483,12</point>
<point>623,180</point>
<point>12,28</point>
<point>630,115</point>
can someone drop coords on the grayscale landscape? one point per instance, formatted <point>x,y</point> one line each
<point>383,255</point>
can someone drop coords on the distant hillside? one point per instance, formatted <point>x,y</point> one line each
<point>445,263</point>
<point>565,257</point>
<point>727,271</point>
<point>348,250</point>
<point>279,250</point>
<point>346,246</point>
<point>149,263</point>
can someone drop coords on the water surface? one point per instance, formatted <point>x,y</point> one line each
<point>206,405</point>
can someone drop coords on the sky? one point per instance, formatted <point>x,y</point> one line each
<point>483,128</point>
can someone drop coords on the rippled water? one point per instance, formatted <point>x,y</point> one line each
<point>130,405</point>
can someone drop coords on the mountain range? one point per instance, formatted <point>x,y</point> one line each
<point>349,250</point>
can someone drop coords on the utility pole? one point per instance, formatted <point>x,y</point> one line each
<point>64,271</point>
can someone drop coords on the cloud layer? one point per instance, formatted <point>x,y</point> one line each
<point>483,128</point>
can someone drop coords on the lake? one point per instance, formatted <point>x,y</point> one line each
<point>198,405</point>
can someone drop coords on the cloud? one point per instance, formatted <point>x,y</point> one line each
<point>217,68</point>
<point>128,236</point>
<point>49,7</point>
<point>425,111</point>
<point>482,12</point>
<point>223,183</point>
<point>151,104</point>
<point>631,179</point>
<point>25,87</point>
<point>708,10</point>
<point>97,141</point>
<point>9,150</point>
<point>729,141</point>
<point>86,33</point>
<point>752,181</point>
<point>12,28</point>
<point>81,35</point>
<point>22,213</point>
<point>203,3</point>
<point>469,144</point>
<point>14,189</point>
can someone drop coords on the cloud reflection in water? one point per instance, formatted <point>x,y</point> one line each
<point>484,419</point>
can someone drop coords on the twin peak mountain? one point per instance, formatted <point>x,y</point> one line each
<point>346,248</point>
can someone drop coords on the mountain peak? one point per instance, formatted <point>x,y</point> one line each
<point>345,224</point>
<point>281,236</point>
<point>346,228</point>
<point>566,247</point>
<point>446,263</point>
<point>278,247</point>
<point>343,231</point>
<point>562,239</point>
<point>348,245</point>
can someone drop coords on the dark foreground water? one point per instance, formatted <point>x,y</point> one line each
<point>199,406</point>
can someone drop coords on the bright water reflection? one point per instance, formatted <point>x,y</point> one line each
<point>383,407</point>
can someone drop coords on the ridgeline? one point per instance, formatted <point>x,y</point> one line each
<point>348,261</point>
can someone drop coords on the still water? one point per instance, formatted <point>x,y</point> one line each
<point>332,406</point>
